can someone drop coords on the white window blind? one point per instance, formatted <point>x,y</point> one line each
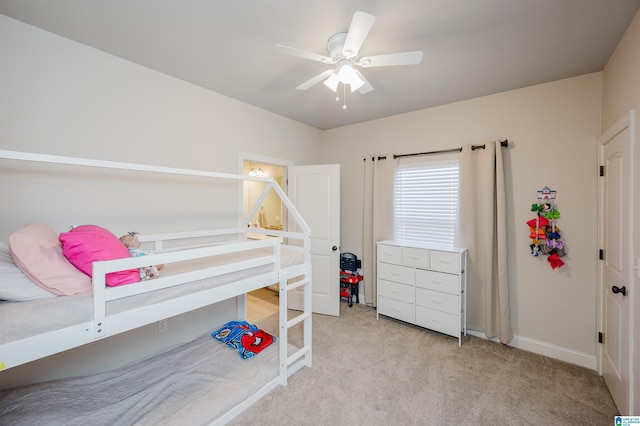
<point>426,199</point>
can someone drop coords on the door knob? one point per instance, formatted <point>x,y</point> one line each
<point>616,290</point>
<point>334,248</point>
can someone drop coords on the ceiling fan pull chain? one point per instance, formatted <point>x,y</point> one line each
<point>344,96</point>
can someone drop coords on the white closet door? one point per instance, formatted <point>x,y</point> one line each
<point>616,272</point>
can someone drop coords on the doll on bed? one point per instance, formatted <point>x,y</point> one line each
<point>131,241</point>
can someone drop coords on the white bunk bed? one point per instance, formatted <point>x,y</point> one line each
<point>196,275</point>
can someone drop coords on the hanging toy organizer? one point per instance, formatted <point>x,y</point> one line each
<point>544,234</point>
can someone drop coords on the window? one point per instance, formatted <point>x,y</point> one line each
<point>426,199</point>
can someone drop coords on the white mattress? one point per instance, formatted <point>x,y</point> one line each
<point>25,319</point>
<point>192,384</point>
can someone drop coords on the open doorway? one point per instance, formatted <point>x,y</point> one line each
<point>270,214</point>
<point>315,192</point>
<point>263,302</point>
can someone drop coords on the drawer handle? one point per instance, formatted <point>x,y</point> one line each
<point>436,282</point>
<point>394,291</point>
<point>436,320</point>
<point>444,261</point>
<point>439,302</point>
<point>395,274</point>
<point>414,257</point>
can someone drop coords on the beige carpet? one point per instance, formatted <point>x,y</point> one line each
<point>385,372</point>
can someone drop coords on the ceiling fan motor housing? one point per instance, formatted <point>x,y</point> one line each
<point>336,46</point>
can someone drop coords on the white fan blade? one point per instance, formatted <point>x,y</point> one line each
<point>366,87</point>
<point>358,31</point>
<point>304,54</point>
<point>404,58</point>
<point>315,80</point>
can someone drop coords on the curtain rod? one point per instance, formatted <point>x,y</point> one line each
<point>504,143</point>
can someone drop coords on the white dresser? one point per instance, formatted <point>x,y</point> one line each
<point>424,285</point>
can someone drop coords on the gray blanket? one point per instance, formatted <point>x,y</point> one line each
<point>191,384</point>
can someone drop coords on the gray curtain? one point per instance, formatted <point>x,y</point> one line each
<point>377,217</point>
<point>482,229</point>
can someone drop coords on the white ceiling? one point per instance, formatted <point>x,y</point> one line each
<point>471,47</point>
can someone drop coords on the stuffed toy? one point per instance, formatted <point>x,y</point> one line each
<point>131,241</point>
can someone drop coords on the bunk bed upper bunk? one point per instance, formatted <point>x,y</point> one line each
<point>196,274</point>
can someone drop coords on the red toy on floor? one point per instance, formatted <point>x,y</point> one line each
<point>349,286</point>
<point>349,277</point>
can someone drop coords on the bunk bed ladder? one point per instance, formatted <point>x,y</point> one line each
<point>290,363</point>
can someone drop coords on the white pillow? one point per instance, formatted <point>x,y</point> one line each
<point>15,286</point>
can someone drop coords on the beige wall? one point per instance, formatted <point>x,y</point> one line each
<point>61,97</point>
<point>553,130</point>
<point>620,94</point>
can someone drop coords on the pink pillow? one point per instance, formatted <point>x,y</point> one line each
<point>86,244</point>
<point>35,249</point>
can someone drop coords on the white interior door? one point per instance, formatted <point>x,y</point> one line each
<point>315,191</point>
<point>616,268</point>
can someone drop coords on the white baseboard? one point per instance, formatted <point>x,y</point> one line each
<point>548,349</point>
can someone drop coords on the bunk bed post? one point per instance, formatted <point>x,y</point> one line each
<point>308,297</point>
<point>99,299</point>
<point>283,334</point>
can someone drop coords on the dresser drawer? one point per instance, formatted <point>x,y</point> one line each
<point>393,308</point>
<point>438,321</point>
<point>438,281</point>
<point>415,257</point>
<point>396,291</point>
<point>397,273</point>
<point>444,261</point>
<point>443,302</point>
<point>390,254</point>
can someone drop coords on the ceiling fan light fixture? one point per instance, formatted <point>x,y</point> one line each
<point>256,172</point>
<point>356,84</point>
<point>346,74</point>
<point>332,82</point>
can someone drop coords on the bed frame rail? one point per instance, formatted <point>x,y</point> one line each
<point>103,294</point>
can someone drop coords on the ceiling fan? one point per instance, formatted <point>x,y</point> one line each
<point>343,53</point>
